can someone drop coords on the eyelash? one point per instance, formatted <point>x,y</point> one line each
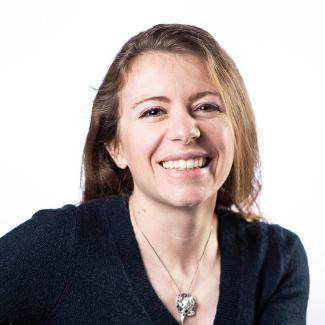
<point>145,113</point>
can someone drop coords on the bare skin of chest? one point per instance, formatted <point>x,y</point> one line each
<point>205,290</point>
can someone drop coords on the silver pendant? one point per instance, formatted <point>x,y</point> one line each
<point>186,305</point>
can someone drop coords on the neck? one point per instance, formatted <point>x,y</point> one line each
<point>178,235</point>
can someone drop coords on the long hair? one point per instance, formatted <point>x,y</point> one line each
<point>103,178</point>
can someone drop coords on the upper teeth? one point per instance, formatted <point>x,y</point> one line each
<point>185,164</point>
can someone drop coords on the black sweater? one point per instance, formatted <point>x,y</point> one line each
<point>82,265</point>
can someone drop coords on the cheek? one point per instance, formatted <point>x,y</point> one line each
<point>138,144</point>
<point>227,140</point>
<point>221,134</point>
<point>225,147</point>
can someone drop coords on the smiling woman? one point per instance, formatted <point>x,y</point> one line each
<point>178,132</point>
<point>220,82</point>
<point>168,230</point>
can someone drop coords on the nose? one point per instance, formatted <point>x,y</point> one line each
<point>183,127</point>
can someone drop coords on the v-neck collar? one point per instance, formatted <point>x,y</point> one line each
<point>125,240</point>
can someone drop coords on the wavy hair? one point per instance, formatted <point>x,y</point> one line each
<point>103,178</point>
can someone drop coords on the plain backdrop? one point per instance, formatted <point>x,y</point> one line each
<point>53,54</point>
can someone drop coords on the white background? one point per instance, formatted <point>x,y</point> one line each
<point>53,53</point>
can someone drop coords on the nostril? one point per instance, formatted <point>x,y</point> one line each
<point>184,133</point>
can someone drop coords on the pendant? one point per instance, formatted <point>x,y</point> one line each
<point>186,305</point>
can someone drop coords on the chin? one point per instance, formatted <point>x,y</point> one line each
<point>186,200</point>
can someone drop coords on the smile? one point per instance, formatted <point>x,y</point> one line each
<point>186,164</point>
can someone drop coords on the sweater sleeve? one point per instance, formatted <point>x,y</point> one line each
<point>287,304</point>
<point>34,262</point>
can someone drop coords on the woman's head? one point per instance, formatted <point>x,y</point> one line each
<point>103,177</point>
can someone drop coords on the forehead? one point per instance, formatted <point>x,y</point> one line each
<point>153,59</point>
<point>164,73</point>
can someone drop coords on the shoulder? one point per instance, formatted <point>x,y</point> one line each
<point>271,265</point>
<point>108,206</point>
<point>270,254</point>
<point>53,222</point>
<point>43,226</point>
<point>37,257</point>
<point>269,250</point>
<point>34,262</point>
<point>59,227</point>
<point>259,234</point>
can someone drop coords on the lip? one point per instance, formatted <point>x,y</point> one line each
<point>185,156</point>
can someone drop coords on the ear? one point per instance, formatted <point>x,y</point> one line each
<point>116,153</point>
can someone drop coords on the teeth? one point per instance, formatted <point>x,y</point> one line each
<point>185,164</point>
<point>182,164</point>
<point>190,164</point>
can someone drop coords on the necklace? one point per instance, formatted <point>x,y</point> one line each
<point>186,304</point>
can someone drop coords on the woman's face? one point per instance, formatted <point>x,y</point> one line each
<point>171,120</point>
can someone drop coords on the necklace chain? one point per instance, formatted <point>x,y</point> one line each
<point>164,265</point>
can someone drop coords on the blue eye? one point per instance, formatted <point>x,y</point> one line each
<point>152,112</point>
<point>209,108</point>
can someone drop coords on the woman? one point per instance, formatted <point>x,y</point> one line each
<point>166,232</point>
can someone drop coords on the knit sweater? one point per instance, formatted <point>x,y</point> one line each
<point>82,265</point>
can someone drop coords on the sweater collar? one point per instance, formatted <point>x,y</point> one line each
<point>151,305</point>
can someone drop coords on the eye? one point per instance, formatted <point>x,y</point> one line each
<point>208,108</point>
<point>152,112</point>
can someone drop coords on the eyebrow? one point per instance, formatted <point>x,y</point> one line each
<point>167,100</point>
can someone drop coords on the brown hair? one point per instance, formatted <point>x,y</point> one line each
<point>103,178</point>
